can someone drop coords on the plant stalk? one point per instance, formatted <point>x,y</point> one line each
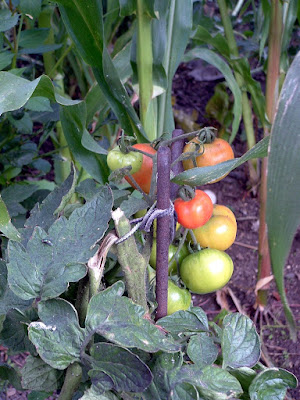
<point>144,61</point>
<point>176,151</point>
<point>273,74</point>
<point>71,382</point>
<point>133,264</point>
<point>163,230</point>
<point>246,106</point>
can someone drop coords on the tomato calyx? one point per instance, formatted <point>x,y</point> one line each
<point>186,193</point>
<point>124,142</point>
<point>207,135</point>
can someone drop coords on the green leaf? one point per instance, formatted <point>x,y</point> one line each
<point>272,384</point>
<point>132,205</point>
<point>202,36</point>
<point>211,382</point>
<point>179,26</point>
<point>49,262</point>
<point>215,60</point>
<point>107,312</point>
<point>73,121</point>
<point>85,26</point>
<point>127,7</point>
<point>31,7</point>
<point>244,375</point>
<point>283,187</point>
<point>240,342</point>
<point>6,226</point>
<point>193,320</point>
<point>33,37</point>
<point>16,91</point>
<point>5,59</point>
<point>93,394</point>
<point>51,336</point>
<point>39,104</point>
<point>8,20</point>
<point>8,299</point>
<point>126,370</point>
<point>43,214</point>
<point>14,332</point>
<point>202,350</point>
<point>37,375</point>
<point>38,395</point>
<point>185,391</point>
<point>10,374</point>
<point>203,175</point>
<point>89,143</point>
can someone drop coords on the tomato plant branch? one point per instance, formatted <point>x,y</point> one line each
<point>71,382</point>
<point>163,230</point>
<point>132,262</point>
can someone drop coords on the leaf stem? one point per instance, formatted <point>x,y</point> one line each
<point>71,382</point>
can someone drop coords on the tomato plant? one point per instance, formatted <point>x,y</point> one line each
<point>144,174</point>
<point>172,251</point>
<point>206,271</point>
<point>220,231</point>
<point>178,299</point>
<point>117,159</point>
<point>195,212</point>
<point>219,150</point>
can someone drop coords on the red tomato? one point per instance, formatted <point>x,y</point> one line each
<point>195,212</point>
<point>144,174</point>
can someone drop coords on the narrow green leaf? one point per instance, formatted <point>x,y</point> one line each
<point>240,342</point>
<point>203,175</point>
<point>33,37</point>
<point>283,191</point>
<point>212,58</point>
<point>202,36</point>
<point>272,384</point>
<point>37,375</point>
<point>73,120</point>
<point>6,226</point>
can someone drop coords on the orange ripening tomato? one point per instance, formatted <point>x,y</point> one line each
<point>144,174</point>
<point>214,153</point>
<point>195,212</point>
<point>220,231</point>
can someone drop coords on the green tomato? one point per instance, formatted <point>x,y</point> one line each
<point>172,250</point>
<point>206,271</point>
<point>178,299</point>
<point>117,159</point>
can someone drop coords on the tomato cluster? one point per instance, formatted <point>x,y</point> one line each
<point>213,226</point>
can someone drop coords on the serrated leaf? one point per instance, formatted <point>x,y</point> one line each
<point>16,91</point>
<point>107,313</point>
<point>126,370</point>
<point>8,299</point>
<point>37,375</point>
<point>193,320</point>
<point>240,342</point>
<point>49,262</point>
<point>14,332</point>
<point>272,384</point>
<point>283,187</point>
<point>202,350</point>
<point>51,336</point>
<point>43,214</point>
<point>203,175</point>
<point>6,226</point>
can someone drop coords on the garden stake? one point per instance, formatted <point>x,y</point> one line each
<point>163,230</point>
<point>176,151</point>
